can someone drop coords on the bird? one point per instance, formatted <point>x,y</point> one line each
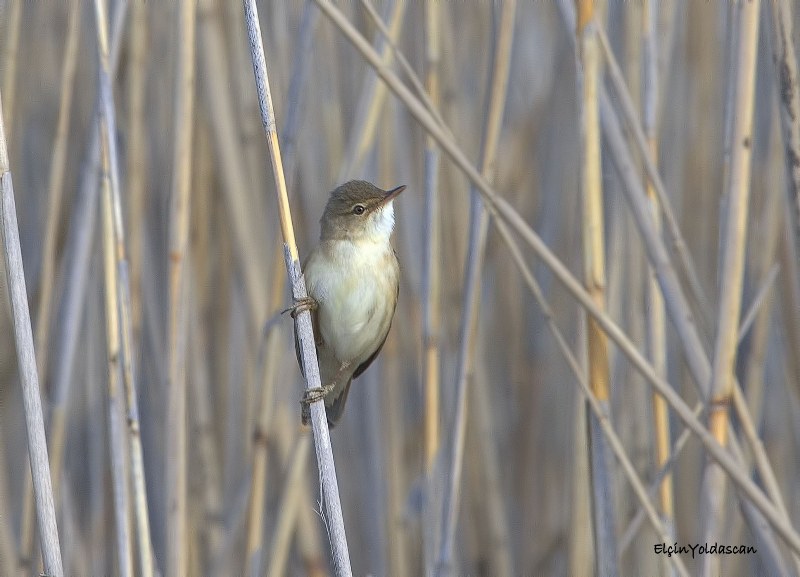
<point>353,282</point>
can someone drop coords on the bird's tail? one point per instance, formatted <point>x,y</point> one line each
<point>334,404</point>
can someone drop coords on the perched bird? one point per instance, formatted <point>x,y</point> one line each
<point>352,278</point>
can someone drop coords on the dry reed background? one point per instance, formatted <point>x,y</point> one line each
<point>155,275</point>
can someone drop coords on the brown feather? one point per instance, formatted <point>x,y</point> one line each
<point>335,409</point>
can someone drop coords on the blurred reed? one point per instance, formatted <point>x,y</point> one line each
<point>602,230</point>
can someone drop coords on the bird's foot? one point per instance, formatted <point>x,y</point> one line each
<point>300,305</point>
<point>310,396</point>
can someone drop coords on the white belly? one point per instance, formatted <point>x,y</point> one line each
<point>355,297</point>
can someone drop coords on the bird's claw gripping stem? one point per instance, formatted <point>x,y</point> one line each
<point>310,396</point>
<point>300,305</point>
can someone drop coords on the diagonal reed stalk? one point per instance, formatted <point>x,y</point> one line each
<point>423,93</point>
<point>55,188</point>
<point>675,450</point>
<point>241,406</point>
<point>624,161</point>
<point>26,360</point>
<point>322,443</point>
<point>674,299</point>
<point>268,372</point>
<point>625,164</point>
<point>56,425</point>
<point>597,407</point>
<point>371,100</point>
<point>479,225</point>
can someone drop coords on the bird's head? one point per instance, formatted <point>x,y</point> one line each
<point>358,210</point>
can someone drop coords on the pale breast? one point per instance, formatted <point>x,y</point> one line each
<point>355,285</point>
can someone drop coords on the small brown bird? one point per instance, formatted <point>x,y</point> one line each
<point>352,278</point>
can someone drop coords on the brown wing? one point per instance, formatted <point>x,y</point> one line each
<point>365,365</point>
<point>335,409</point>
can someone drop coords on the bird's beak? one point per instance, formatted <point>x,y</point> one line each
<point>391,195</point>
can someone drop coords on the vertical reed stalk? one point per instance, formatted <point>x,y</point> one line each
<point>77,262</point>
<point>597,408</point>
<point>123,307</point>
<point>305,523</point>
<point>96,403</point>
<point>656,327</point>
<point>8,557</point>
<point>117,449</point>
<point>588,68</point>
<point>677,304</point>
<point>26,361</point>
<point>200,377</point>
<point>298,85</point>
<point>177,450</point>
<point>732,275</point>
<point>267,370</point>
<point>479,225</point>
<point>329,486</point>
<point>680,442</point>
<point>790,263</point>
<point>621,155</point>
<point>290,501</point>
<point>770,227</point>
<point>308,535</point>
<point>10,52</point>
<point>784,56</point>
<point>776,517</point>
<point>402,562</point>
<point>54,193</point>
<point>228,148</point>
<point>525,466</point>
<point>698,362</point>
<point>675,301</point>
<point>270,353</point>
<point>431,289</point>
<point>412,77</point>
<point>580,534</point>
<point>137,153</point>
<point>371,101</point>
<point>56,424</point>
<point>431,294</point>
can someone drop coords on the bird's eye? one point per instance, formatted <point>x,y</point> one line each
<point>359,209</point>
